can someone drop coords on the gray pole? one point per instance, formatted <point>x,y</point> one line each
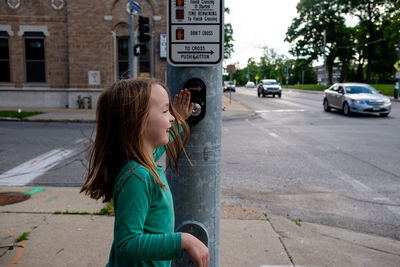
<point>196,190</point>
<point>131,39</point>
<point>325,82</point>
<point>152,52</point>
<point>397,85</point>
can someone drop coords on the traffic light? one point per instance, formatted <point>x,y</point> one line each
<point>140,50</point>
<point>144,28</point>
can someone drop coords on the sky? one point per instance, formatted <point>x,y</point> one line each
<point>259,23</point>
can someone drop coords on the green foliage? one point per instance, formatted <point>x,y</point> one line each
<point>385,89</point>
<point>365,52</point>
<point>228,38</point>
<point>23,236</point>
<point>16,114</point>
<point>298,222</point>
<point>107,210</point>
<point>271,66</point>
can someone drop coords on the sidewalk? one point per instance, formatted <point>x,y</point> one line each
<point>248,236</point>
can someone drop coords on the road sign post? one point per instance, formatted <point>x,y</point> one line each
<point>397,67</point>
<point>133,7</point>
<point>195,53</point>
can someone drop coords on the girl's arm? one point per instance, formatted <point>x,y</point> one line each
<point>132,205</point>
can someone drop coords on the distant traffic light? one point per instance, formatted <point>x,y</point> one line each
<point>144,28</point>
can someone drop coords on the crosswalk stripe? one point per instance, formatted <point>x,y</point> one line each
<point>33,168</point>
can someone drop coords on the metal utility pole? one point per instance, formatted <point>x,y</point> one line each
<point>397,67</point>
<point>131,39</point>
<point>133,8</point>
<point>195,54</point>
<point>325,79</point>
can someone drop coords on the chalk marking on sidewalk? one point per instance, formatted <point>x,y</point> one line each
<point>36,190</point>
<point>20,250</point>
<point>33,168</point>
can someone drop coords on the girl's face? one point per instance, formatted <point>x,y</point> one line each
<point>159,121</point>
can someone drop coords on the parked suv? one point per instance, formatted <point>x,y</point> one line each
<point>229,86</point>
<point>269,87</point>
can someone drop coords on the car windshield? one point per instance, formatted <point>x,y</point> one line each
<point>230,83</point>
<point>358,89</point>
<point>269,83</point>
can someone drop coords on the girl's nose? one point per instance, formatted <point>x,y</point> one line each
<point>172,118</point>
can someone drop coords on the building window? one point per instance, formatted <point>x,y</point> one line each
<point>4,58</point>
<point>123,57</point>
<point>35,57</point>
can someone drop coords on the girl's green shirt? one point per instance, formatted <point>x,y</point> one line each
<point>144,219</point>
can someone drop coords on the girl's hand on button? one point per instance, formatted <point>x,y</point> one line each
<point>195,249</point>
<point>183,105</point>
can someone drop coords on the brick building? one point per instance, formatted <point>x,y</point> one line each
<point>52,51</point>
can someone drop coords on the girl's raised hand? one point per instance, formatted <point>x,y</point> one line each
<point>183,105</point>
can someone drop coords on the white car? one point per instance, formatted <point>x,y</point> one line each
<point>269,87</point>
<point>250,84</point>
<point>356,97</point>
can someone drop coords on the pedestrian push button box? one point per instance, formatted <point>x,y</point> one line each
<point>197,90</point>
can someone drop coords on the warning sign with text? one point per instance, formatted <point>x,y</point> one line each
<point>195,32</point>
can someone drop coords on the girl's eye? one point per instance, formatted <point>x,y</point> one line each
<point>166,111</point>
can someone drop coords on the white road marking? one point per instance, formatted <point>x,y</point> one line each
<point>33,168</point>
<point>395,210</point>
<point>355,183</point>
<point>274,135</point>
<point>280,110</point>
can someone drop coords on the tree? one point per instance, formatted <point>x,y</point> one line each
<point>370,14</point>
<point>307,38</point>
<point>228,38</point>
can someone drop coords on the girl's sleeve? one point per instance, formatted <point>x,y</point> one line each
<point>131,242</point>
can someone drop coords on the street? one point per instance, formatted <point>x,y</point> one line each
<point>286,156</point>
<point>293,159</point>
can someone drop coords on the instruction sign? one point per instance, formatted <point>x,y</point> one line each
<point>195,32</point>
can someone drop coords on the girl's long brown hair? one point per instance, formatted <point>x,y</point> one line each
<point>122,112</point>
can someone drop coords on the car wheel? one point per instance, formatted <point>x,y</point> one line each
<point>346,109</point>
<point>279,95</point>
<point>327,108</point>
<point>384,114</point>
<point>273,95</point>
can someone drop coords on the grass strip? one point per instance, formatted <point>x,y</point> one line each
<point>18,115</point>
<point>107,210</point>
<point>386,89</point>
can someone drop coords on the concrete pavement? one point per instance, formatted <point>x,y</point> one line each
<point>249,236</point>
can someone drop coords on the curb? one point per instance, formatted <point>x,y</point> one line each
<point>46,120</point>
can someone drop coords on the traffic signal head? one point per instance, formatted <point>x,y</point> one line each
<point>144,28</point>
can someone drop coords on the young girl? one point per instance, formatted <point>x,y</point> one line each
<point>136,124</point>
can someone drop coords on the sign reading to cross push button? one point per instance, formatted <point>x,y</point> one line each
<point>195,32</point>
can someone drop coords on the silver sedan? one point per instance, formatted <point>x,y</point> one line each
<point>357,98</point>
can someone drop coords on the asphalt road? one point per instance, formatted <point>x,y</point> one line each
<point>286,156</point>
<point>293,159</point>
